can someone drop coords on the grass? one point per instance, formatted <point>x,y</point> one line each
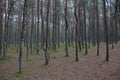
<point>54,55</point>
<point>16,75</point>
<point>69,57</point>
<point>29,60</point>
<point>47,66</point>
<point>40,54</point>
<point>11,54</point>
<point>5,60</point>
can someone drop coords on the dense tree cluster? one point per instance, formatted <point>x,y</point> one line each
<point>47,24</point>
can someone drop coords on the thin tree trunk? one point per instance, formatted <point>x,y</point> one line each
<point>97,25</point>
<point>32,25</point>
<point>47,57</point>
<point>66,29</point>
<point>7,20</point>
<point>84,13</point>
<point>1,27</point>
<point>106,31</point>
<point>22,37</point>
<point>76,29</point>
<point>42,24</point>
<point>38,26</point>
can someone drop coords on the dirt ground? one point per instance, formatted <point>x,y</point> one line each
<point>89,67</point>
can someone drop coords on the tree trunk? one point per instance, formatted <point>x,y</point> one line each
<point>7,21</point>
<point>38,26</point>
<point>1,27</point>
<point>97,25</point>
<point>47,57</point>
<point>76,29</point>
<point>66,29</point>
<point>106,31</point>
<point>84,13</point>
<point>32,25</point>
<point>22,37</point>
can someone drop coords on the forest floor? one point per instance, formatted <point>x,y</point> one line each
<point>89,67</point>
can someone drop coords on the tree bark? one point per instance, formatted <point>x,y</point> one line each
<point>66,29</point>
<point>97,25</point>
<point>84,13</point>
<point>1,27</point>
<point>106,31</point>
<point>38,26</point>
<point>76,29</point>
<point>22,37</point>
